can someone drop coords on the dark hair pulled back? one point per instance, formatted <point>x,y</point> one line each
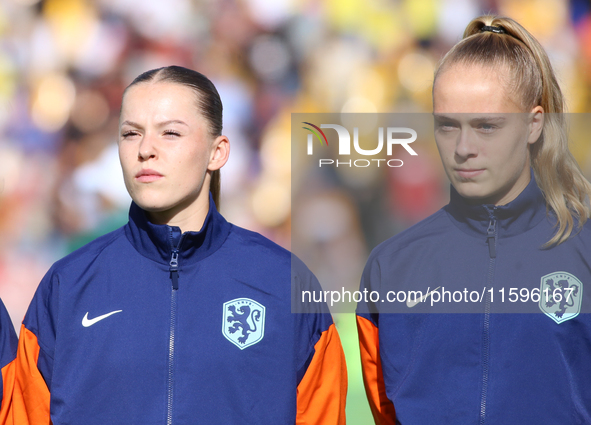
<point>209,103</point>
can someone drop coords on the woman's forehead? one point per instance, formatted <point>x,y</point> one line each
<point>159,98</point>
<point>473,88</point>
<point>159,88</point>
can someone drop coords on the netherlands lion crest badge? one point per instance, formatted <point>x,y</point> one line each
<point>244,322</point>
<point>561,295</point>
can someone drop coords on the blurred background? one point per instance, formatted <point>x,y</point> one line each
<point>65,63</point>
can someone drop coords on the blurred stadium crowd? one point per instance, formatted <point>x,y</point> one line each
<point>65,63</point>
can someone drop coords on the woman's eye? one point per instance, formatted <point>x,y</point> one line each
<point>127,134</point>
<point>446,126</point>
<point>487,127</point>
<point>172,133</point>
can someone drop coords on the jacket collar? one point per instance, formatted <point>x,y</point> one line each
<point>518,216</point>
<point>157,241</point>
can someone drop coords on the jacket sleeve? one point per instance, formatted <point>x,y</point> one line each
<point>322,392</point>
<point>368,315</point>
<point>321,369</point>
<point>373,378</point>
<point>34,360</point>
<point>8,344</point>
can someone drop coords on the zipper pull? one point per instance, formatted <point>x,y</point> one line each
<point>174,269</point>
<point>491,237</point>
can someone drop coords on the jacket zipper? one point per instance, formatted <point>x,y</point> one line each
<point>174,278</point>
<point>491,239</point>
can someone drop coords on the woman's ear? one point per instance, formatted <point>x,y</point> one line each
<point>220,151</point>
<point>537,124</point>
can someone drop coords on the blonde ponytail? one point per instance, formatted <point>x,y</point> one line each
<point>566,190</point>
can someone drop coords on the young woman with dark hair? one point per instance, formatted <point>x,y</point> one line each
<point>179,317</point>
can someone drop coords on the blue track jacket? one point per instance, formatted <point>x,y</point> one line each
<point>149,326</point>
<point>501,358</point>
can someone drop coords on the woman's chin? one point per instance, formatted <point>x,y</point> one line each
<point>153,205</point>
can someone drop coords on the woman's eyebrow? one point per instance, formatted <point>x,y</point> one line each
<point>160,124</point>
<point>165,123</point>
<point>131,124</point>
<point>440,117</point>
<point>494,119</point>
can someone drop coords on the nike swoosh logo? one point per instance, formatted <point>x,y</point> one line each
<point>411,303</point>
<point>86,322</point>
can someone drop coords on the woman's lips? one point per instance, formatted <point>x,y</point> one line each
<point>148,176</point>
<point>468,173</point>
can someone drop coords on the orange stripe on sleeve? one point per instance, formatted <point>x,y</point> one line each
<point>8,380</point>
<point>322,392</point>
<point>373,378</point>
<point>30,401</point>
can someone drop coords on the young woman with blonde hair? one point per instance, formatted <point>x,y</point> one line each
<point>513,244</point>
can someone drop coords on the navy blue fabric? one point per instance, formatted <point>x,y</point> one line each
<point>117,371</point>
<point>8,341</point>
<point>467,368</point>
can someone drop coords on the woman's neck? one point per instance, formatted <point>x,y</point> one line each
<point>188,218</point>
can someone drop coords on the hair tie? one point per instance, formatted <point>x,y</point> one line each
<point>496,30</point>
